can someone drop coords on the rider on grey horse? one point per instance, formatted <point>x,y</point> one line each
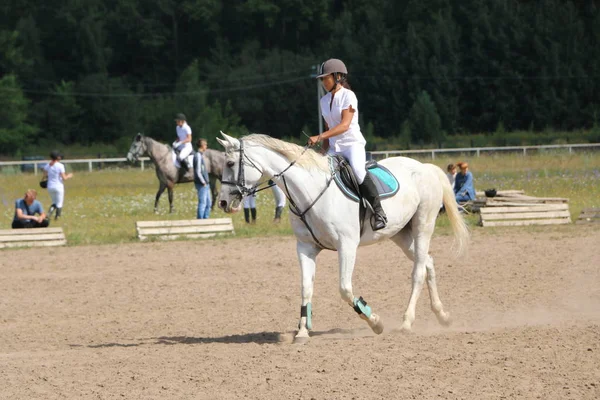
<point>183,144</point>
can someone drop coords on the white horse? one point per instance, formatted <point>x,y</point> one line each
<point>321,216</point>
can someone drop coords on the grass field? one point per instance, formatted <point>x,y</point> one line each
<point>103,206</point>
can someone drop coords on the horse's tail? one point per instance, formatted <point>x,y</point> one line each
<point>459,227</point>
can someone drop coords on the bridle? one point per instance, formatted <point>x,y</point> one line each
<point>136,156</point>
<point>241,190</point>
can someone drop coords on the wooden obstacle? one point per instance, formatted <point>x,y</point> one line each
<point>588,216</point>
<point>34,237</point>
<point>530,214</point>
<point>192,229</point>
<point>515,208</point>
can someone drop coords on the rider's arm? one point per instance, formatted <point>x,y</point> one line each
<point>188,139</point>
<point>325,143</point>
<point>342,127</point>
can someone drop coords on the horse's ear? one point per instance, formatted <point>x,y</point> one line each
<point>223,143</point>
<point>232,141</point>
<point>138,137</point>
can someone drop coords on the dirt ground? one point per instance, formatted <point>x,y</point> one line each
<point>212,320</point>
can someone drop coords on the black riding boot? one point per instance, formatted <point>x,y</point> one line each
<point>253,212</point>
<point>51,210</point>
<point>184,165</point>
<point>369,192</point>
<point>278,211</point>
<point>58,212</point>
<point>247,215</point>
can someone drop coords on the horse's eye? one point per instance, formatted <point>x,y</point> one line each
<point>230,164</point>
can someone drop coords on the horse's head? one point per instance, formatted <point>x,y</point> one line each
<point>137,149</point>
<point>240,174</point>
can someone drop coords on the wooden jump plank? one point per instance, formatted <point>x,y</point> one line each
<point>530,199</point>
<point>31,238</point>
<point>33,244</point>
<point>180,230</point>
<point>532,208</point>
<point>174,237</point>
<point>589,215</point>
<point>198,228</point>
<point>191,222</point>
<point>526,222</point>
<point>29,231</point>
<point>527,215</point>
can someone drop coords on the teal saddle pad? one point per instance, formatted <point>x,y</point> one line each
<point>386,183</point>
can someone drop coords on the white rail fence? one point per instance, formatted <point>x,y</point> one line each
<point>477,151</point>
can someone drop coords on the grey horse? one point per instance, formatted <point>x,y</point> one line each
<point>168,175</point>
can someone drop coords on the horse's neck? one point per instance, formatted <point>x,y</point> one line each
<point>301,184</point>
<point>155,150</point>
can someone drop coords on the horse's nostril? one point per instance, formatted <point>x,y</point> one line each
<point>222,204</point>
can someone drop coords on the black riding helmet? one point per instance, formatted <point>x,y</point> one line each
<point>54,155</point>
<point>334,67</point>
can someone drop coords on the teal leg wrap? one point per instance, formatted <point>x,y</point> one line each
<point>306,311</point>
<point>361,307</point>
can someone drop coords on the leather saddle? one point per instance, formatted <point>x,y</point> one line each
<point>386,183</point>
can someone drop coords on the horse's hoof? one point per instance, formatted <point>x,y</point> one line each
<point>444,319</point>
<point>301,340</point>
<point>406,327</point>
<point>376,324</point>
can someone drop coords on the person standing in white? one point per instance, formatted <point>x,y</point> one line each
<point>280,200</point>
<point>339,108</point>
<point>55,171</point>
<point>183,144</point>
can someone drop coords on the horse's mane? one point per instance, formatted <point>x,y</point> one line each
<point>306,159</point>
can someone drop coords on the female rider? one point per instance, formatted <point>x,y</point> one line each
<point>339,108</point>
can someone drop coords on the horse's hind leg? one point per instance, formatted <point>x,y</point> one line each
<point>170,192</point>
<point>161,189</point>
<point>404,239</point>
<point>307,254</point>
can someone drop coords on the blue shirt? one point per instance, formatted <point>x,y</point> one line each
<point>463,185</point>
<point>34,208</point>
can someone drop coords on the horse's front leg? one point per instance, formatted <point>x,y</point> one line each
<point>347,259</point>
<point>161,189</point>
<point>307,254</point>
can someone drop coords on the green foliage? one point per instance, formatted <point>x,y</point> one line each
<point>15,131</point>
<point>424,121</point>
<point>94,72</point>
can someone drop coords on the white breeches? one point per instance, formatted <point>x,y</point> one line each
<point>250,201</point>
<point>57,195</point>
<point>279,196</point>
<point>357,157</point>
<point>185,150</point>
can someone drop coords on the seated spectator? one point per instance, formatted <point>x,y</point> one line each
<point>463,184</point>
<point>26,210</point>
<point>451,174</point>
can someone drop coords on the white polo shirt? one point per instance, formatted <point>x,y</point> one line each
<point>342,100</point>
<point>55,172</point>
<point>183,131</point>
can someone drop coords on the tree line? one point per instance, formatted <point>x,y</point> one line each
<point>427,71</point>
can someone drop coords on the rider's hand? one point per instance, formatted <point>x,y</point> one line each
<point>313,140</point>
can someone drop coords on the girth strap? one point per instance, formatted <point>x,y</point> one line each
<point>302,215</point>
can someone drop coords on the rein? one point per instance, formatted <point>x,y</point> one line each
<point>241,189</point>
